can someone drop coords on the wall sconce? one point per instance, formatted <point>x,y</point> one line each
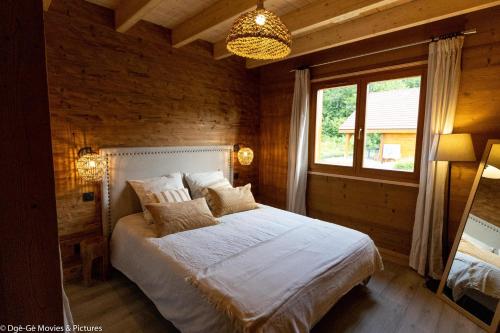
<point>245,154</point>
<point>90,165</point>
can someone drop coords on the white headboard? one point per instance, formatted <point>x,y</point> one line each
<point>483,231</point>
<point>118,198</point>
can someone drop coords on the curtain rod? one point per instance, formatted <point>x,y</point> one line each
<point>426,41</point>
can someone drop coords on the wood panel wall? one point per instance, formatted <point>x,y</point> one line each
<point>111,89</point>
<point>486,203</point>
<point>385,212</point>
<point>30,278</point>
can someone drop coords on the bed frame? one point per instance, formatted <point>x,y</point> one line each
<point>122,164</point>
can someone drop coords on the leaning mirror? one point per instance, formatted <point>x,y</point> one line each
<point>471,281</point>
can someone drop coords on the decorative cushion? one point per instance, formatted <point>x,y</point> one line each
<point>145,189</point>
<point>469,248</point>
<point>170,218</point>
<point>225,201</point>
<point>172,196</point>
<point>198,181</point>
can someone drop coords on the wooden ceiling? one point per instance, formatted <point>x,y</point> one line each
<point>315,24</point>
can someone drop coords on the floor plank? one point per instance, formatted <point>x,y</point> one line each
<point>395,300</point>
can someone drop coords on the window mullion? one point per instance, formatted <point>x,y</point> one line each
<point>360,126</point>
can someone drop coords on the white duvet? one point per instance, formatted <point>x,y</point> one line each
<point>469,272</point>
<point>289,297</point>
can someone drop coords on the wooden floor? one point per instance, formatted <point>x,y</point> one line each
<point>395,300</point>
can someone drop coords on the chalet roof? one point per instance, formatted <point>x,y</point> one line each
<point>388,110</point>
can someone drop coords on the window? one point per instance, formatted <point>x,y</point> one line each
<point>369,126</point>
<point>335,106</point>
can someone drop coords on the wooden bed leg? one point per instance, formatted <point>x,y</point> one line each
<point>365,281</point>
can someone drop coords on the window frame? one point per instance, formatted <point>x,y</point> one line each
<point>362,81</point>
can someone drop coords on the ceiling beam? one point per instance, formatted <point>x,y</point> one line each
<point>405,16</point>
<point>129,12</point>
<point>316,15</point>
<point>46,4</point>
<point>219,12</point>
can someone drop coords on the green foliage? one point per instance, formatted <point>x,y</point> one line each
<point>338,104</point>
<point>372,141</point>
<point>404,165</point>
<point>406,83</point>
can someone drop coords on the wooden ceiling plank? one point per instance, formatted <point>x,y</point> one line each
<point>46,4</point>
<point>406,16</point>
<point>129,12</point>
<point>221,11</point>
<point>315,15</point>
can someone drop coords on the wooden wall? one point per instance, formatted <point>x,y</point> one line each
<point>486,203</point>
<point>386,212</point>
<point>113,89</point>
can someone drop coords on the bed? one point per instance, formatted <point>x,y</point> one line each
<point>272,244</point>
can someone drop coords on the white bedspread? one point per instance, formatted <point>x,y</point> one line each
<point>160,267</point>
<point>469,272</point>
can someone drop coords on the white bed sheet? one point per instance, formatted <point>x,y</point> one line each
<point>159,267</point>
<point>469,272</point>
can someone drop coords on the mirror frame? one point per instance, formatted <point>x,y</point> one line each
<point>496,318</point>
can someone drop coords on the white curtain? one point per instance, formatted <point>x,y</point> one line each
<point>443,80</point>
<point>298,144</point>
<point>68,317</point>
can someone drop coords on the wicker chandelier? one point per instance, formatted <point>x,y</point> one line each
<point>259,34</point>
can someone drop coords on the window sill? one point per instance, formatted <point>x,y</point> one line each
<point>373,180</point>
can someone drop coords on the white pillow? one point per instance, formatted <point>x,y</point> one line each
<point>145,189</point>
<point>478,243</point>
<point>198,181</point>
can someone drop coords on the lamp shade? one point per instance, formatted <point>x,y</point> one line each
<point>259,34</point>
<point>90,166</point>
<point>494,156</point>
<point>245,156</point>
<point>491,172</point>
<point>492,169</point>
<point>455,148</point>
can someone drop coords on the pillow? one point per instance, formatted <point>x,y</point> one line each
<point>469,248</point>
<point>231,200</point>
<point>146,187</point>
<point>172,196</point>
<point>198,181</point>
<point>476,242</point>
<point>170,218</point>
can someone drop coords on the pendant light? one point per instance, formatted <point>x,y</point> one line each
<point>259,34</point>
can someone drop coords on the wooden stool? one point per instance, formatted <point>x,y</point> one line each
<point>92,249</point>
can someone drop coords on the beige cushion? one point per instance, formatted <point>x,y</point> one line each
<point>468,248</point>
<point>225,201</point>
<point>170,218</point>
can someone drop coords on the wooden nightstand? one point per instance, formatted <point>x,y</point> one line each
<point>92,250</point>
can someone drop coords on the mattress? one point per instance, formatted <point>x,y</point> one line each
<point>160,266</point>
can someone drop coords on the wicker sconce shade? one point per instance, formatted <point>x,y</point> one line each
<point>259,34</point>
<point>90,165</point>
<point>245,156</point>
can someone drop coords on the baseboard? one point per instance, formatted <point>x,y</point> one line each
<point>394,257</point>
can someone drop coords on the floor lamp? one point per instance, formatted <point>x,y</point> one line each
<point>452,148</point>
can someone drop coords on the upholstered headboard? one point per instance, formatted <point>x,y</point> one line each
<point>118,198</point>
<point>483,230</point>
